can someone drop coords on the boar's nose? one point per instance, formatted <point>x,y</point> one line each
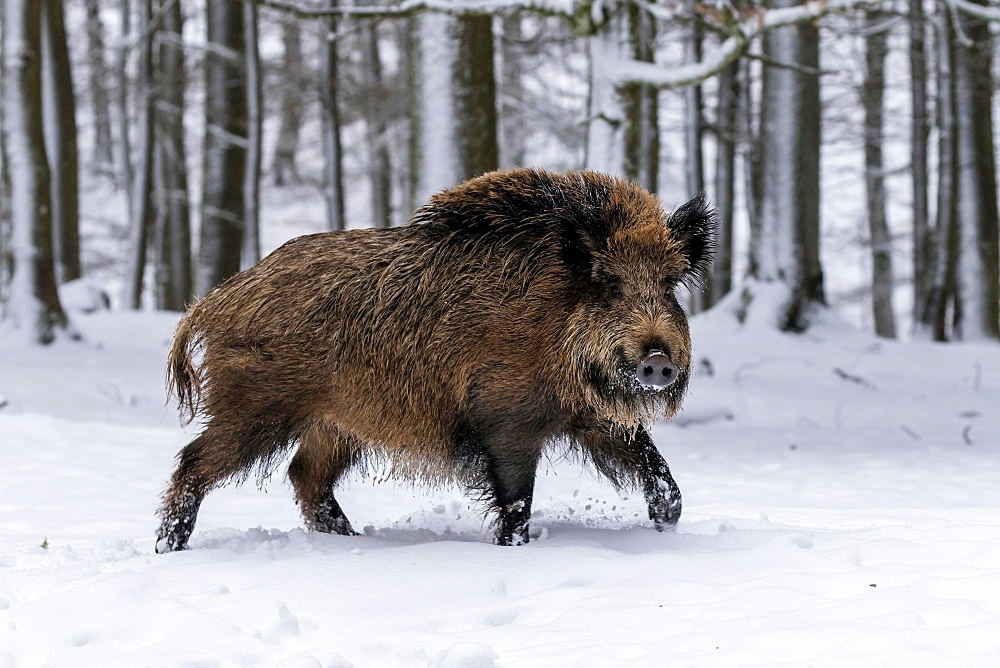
<point>656,370</point>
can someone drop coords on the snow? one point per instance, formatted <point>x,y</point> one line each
<point>841,500</point>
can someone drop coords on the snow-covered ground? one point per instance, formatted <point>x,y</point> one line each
<point>842,507</point>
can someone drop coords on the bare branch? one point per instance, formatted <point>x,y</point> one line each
<point>410,7</point>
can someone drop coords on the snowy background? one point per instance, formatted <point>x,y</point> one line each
<point>842,506</point>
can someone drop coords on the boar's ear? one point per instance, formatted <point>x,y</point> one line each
<point>579,244</point>
<point>694,225</point>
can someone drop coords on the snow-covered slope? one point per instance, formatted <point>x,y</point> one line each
<point>842,506</point>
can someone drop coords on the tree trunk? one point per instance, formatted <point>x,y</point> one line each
<point>726,131</point>
<point>224,172</point>
<point>59,107</point>
<point>512,128</point>
<point>97,73</point>
<point>142,211</point>
<point>786,245</point>
<point>977,307</point>
<point>919,131</point>
<point>694,127</point>
<point>174,284</point>
<point>642,129</point>
<point>293,84</point>
<point>251,185</point>
<point>476,97</point>
<point>435,162</point>
<point>329,105</point>
<point>376,127</point>
<point>6,252</point>
<point>940,283</point>
<point>124,115</point>
<point>606,120</point>
<point>33,302</point>
<point>872,98</point>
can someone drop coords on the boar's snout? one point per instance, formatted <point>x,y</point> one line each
<point>655,370</point>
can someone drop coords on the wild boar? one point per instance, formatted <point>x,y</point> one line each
<point>517,310</point>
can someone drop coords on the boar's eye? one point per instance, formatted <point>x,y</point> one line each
<point>613,288</point>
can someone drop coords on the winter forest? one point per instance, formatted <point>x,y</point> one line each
<point>839,450</point>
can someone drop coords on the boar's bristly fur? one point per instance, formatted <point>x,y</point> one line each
<point>516,311</point>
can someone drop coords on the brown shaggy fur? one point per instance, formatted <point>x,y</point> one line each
<point>512,313</point>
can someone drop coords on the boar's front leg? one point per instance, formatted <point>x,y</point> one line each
<point>500,465</point>
<point>630,458</point>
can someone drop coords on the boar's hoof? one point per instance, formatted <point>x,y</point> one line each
<point>656,371</point>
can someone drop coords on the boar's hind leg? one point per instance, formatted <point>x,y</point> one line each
<point>323,457</point>
<point>221,452</point>
<point>632,458</point>
<point>502,469</point>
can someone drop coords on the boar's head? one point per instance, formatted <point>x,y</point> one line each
<point>629,339</point>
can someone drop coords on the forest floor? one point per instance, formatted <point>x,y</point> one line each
<point>842,506</point>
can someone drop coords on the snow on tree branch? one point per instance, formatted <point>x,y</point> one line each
<point>741,32</point>
<point>985,12</point>
<point>409,7</point>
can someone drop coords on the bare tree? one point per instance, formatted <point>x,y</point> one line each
<point>224,171</point>
<point>919,132</point>
<point>642,128</point>
<point>977,273</point>
<point>333,182</point>
<point>606,107</point>
<point>122,101</point>
<point>512,131</point>
<point>940,279</point>
<point>435,163</point>
<point>872,99</point>
<point>963,292</point>
<point>173,268</point>
<point>6,252</point>
<point>97,71</point>
<point>293,82</point>
<point>250,254</point>
<point>142,212</point>
<point>476,97</point>
<point>376,126</point>
<point>785,243</point>
<point>720,278</point>
<point>33,300</point>
<point>59,106</point>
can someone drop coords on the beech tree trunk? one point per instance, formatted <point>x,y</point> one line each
<point>59,107</point>
<point>33,301</point>
<point>977,295</point>
<point>329,105</point>
<point>919,131</point>
<point>872,98</point>
<point>174,288</point>
<point>720,280</point>
<point>512,130</point>
<point>293,84</point>
<point>785,242</point>
<point>435,162</point>
<point>476,97</point>
<point>940,281</point>
<point>376,126</point>
<point>606,118</point>
<point>142,212</point>
<point>250,254</point>
<point>642,129</point>
<point>122,102</point>
<point>224,171</point>
<point>97,71</point>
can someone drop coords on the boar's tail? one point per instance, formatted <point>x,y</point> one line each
<point>183,376</point>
